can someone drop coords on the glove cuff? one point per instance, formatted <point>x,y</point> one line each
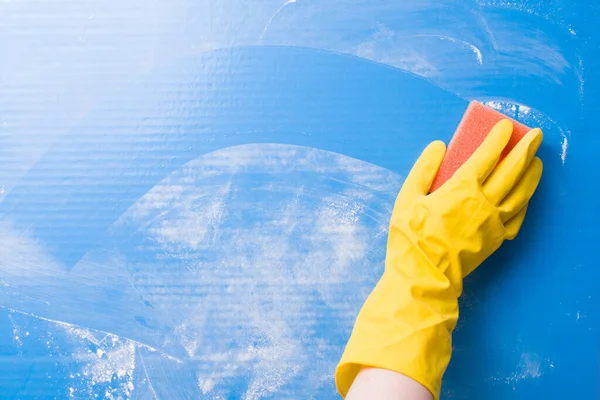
<point>404,326</point>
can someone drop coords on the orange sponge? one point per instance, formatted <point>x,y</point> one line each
<point>476,123</point>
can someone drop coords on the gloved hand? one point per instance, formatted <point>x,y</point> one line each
<point>434,241</point>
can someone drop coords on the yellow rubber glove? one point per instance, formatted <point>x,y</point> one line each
<point>434,241</point>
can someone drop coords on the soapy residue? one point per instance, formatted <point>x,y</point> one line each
<point>533,118</point>
<point>258,241</point>
<point>531,366</point>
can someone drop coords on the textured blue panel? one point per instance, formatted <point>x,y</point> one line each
<point>231,97</point>
<point>194,196</point>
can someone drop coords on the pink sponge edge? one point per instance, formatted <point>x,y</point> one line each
<point>476,123</point>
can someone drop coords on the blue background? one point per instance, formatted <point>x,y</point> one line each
<point>194,196</point>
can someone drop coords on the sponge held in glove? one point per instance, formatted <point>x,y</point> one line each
<point>476,123</point>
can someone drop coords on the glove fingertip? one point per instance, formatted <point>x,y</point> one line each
<point>513,226</point>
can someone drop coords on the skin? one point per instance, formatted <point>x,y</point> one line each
<point>381,384</point>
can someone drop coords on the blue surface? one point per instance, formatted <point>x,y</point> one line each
<point>195,195</point>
